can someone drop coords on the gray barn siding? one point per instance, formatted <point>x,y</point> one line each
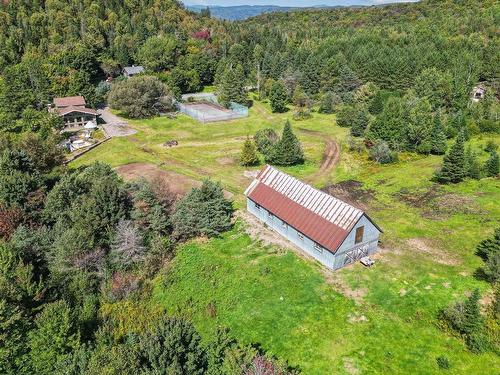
<point>325,257</point>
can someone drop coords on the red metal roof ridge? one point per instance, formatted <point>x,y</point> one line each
<point>326,206</point>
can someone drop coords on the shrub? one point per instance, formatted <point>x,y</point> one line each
<point>443,363</point>
<point>381,153</point>
<point>140,96</point>
<point>264,140</point>
<point>249,155</point>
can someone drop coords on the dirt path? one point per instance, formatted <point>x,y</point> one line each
<point>262,111</point>
<point>331,156</point>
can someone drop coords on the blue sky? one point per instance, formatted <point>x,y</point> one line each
<point>296,3</point>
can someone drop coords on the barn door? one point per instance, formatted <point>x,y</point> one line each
<point>356,254</point>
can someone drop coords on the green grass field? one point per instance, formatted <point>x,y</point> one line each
<point>357,320</point>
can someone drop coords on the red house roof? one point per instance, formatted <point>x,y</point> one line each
<point>70,101</point>
<point>319,216</point>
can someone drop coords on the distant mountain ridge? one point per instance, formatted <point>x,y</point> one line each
<point>241,12</point>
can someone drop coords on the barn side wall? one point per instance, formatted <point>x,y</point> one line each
<point>325,257</point>
<point>307,245</point>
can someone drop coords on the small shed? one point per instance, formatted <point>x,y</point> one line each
<point>130,71</point>
<point>324,227</point>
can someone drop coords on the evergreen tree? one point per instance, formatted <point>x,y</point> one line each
<point>472,164</point>
<point>231,87</point>
<point>287,151</point>
<point>329,102</point>
<point>361,120</point>
<point>472,314</point>
<point>53,339</point>
<point>438,137</point>
<point>347,83</point>
<point>377,103</point>
<point>454,163</point>
<point>203,211</point>
<point>492,165</point>
<point>390,124</point>
<point>277,98</point>
<point>249,155</point>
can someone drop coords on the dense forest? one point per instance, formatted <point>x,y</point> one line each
<point>72,241</point>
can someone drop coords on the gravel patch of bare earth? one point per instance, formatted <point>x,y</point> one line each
<point>434,203</point>
<point>425,246</point>
<point>351,192</point>
<point>177,183</point>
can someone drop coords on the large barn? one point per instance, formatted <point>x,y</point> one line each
<point>330,230</point>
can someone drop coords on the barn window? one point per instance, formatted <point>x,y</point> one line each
<point>318,247</point>
<point>359,235</point>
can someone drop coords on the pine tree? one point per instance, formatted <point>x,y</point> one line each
<point>248,154</point>
<point>472,315</point>
<point>492,165</point>
<point>347,83</point>
<point>472,164</point>
<point>454,163</point>
<point>287,151</point>
<point>438,137</point>
<point>231,86</point>
<point>277,98</point>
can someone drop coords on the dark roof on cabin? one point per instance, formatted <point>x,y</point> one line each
<point>133,69</point>
<point>67,110</point>
<point>319,216</point>
<point>69,101</point>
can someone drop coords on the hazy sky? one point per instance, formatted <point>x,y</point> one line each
<point>296,3</point>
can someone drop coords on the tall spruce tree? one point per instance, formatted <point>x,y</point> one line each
<point>277,98</point>
<point>231,87</point>
<point>438,137</point>
<point>492,165</point>
<point>346,84</point>
<point>454,163</point>
<point>249,155</point>
<point>472,164</point>
<point>287,151</point>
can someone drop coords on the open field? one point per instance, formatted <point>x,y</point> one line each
<point>355,320</point>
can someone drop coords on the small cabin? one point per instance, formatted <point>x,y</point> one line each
<point>130,71</point>
<point>322,226</point>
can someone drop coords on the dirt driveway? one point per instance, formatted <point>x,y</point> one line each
<point>331,156</point>
<point>115,126</point>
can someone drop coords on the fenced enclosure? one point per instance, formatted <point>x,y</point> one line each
<point>205,108</point>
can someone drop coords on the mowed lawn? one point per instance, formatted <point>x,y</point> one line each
<point>211,150</point>
<point>356,320</point>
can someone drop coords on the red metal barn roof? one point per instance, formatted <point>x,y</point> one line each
<point>318,215</point>
<point>69,101</point>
